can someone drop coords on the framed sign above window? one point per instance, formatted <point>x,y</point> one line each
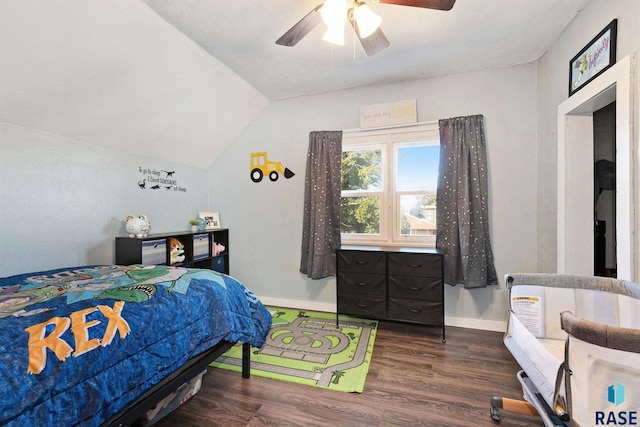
<point>598,55</point>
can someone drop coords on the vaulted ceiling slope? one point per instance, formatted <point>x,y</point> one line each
<point>114,73</point>
<point>181,79</point>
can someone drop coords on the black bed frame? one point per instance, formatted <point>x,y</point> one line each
<point>168,385</point>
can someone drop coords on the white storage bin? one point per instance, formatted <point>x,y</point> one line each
<point>154,252</point>
<point>200,246</point>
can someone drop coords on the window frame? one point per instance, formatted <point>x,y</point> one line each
<point>390,215</point>
<point>354,238</point>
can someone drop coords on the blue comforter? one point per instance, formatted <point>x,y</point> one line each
<point>78,345</point>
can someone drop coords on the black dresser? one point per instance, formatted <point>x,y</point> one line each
<point>389,283</point>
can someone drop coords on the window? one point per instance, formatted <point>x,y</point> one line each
<point>389,180</point>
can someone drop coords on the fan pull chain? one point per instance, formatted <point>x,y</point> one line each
<point>354,43</point>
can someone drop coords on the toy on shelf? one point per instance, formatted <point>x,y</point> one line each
<point>217,249</point>
<point>137,226</point>
<point>176,251</point>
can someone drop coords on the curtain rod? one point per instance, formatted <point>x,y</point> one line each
<point>389,127</point>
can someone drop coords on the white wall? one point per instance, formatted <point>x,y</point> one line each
<point>62,202</point>
<point>73,196</point>
<point>552,70</point>
<point>265,219</point>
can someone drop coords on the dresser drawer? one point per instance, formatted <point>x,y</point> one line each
<point>154,252</point>
<point>415,264</point>
<point>362,283</point>
<point>415,311</point>
<point>366,306</point>
<point>420,288</point>
<point>361,262</point>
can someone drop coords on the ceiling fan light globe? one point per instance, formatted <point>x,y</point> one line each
<point>367,21</point>
<point>333,12</point>
<point>334,35</point>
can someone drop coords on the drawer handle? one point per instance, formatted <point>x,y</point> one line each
<point>360,305</point>
<point>361,284</point>
<point>415,289</point>
<point>415,310</point>
<point>362,262</point>
<point>414,265</point>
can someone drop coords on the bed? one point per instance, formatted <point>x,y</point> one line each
<point>100,345</point>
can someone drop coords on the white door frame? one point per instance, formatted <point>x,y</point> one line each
<point>575,172</point>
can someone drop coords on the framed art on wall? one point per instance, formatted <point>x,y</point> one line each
<point>598,55</point>
<point>212,219</point>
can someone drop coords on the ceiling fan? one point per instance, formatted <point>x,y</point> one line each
<point>366,24</point>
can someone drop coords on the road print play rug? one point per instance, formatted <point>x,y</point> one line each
<point>307,347</point>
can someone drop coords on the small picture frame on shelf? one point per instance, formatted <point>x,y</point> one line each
<point>212,219</point>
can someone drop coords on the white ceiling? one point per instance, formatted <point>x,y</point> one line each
<point>149,76</point>
<point>474,35</point>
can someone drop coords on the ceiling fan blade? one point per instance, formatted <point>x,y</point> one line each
<point>427,4</point>
<point>373,44</point>
<point>301,29</point>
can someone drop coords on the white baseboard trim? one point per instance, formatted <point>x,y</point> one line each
<point>472,323</point>
<point>461,322</point>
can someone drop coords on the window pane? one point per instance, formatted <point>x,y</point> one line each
<point>360,215</point>
<point>418,215</point>
<point>417,167</point>
<point>362,169</point>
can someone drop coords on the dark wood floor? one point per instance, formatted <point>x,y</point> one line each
<point>414,379</point>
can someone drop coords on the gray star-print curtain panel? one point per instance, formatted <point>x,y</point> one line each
<point>321,217</point>
<point>462,214</point>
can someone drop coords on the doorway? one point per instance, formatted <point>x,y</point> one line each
<point>576,164</point>
<point>604,190</point>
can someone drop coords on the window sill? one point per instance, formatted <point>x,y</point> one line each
<point>389,244</point>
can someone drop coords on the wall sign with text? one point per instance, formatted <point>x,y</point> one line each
<point>388,114</point>
<point>153,179</point>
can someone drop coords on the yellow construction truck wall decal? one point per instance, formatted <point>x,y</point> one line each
<point>261,166</point>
